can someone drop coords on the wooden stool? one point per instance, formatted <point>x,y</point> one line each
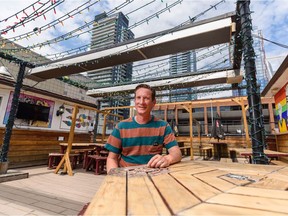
<point>207,151</point>
<point>83,154</point>
<point>97,163</point>
<point>86,159</point>
<point>104,153</point>
<point>55,158</point>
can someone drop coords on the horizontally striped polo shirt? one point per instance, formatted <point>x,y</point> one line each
<point>138,143</point>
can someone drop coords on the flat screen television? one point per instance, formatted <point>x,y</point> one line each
<point>32,112</point>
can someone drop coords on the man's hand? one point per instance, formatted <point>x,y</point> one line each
<point>159,161</point>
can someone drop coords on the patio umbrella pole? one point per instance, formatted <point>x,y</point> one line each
<point>254,100</point>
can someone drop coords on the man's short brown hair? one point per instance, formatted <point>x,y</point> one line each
<point>147,87</point>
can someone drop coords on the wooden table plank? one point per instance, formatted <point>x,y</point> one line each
<point>174,193</point>
<point>273,181</point>
<point>190,168</point>
<point>263,169</point>
<point>216,210</point>
<point>250,202</point>
<point>194,170</point>
<point>213,178</point>
<point>113,191</point>
<point>283,171</point>
<point>250,191</point>
<point>147,195</point>
<point>199,188</point>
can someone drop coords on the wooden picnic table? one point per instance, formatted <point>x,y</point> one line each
<point>193,188</point>
<point>84,149</point>
<point>81,146</point>
<point>247,152</point>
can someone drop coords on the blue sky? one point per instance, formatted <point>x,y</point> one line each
<point>269,16</point>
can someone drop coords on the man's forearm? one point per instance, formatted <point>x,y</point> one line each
<point>111,163</point>
<point>174,156</point>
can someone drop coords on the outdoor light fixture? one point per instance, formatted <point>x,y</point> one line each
<point>60,111</point>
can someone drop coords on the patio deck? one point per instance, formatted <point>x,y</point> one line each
<point>46,193</point>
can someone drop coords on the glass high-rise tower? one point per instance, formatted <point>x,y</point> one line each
<point>108,31</point>
<point>178,64</point>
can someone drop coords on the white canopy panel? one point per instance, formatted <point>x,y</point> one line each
<point>228,76</point>
<point>193,36</point>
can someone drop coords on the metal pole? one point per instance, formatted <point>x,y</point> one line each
<point>253,93</point>
<point>12,114</point>
<point>95,130</point>
<point>211,116</point>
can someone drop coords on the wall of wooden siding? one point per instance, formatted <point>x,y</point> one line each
<point>282,144</point>
<point>31,147</point>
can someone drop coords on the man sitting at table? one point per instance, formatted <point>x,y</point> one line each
<point>139,140</point>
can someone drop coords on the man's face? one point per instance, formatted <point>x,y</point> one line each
<point>143,101</point>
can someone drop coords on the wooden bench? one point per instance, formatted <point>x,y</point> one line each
<point>96,163</point>
<point>54,159</point>
<point>206,152</point>
<point>185,150</point>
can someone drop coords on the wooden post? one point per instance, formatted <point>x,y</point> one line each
<point>191,129</point>
<point>165,113</point>
<point>205,119</point>
<point>66,158</point>
<point>176,115</point>
<point>243,109</point>
<point>218,110</point>
<point>104,126</point>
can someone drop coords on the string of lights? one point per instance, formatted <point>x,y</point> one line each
<point>60,38</point>
<point>70,35</point>
<point>135,10</point>
<point>26,18</point>
<point>276,43</point>
<point>54,23</point>
<point>86,47</point>
<point>21,11</point>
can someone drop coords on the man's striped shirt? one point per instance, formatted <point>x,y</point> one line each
<point>138,143</point>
